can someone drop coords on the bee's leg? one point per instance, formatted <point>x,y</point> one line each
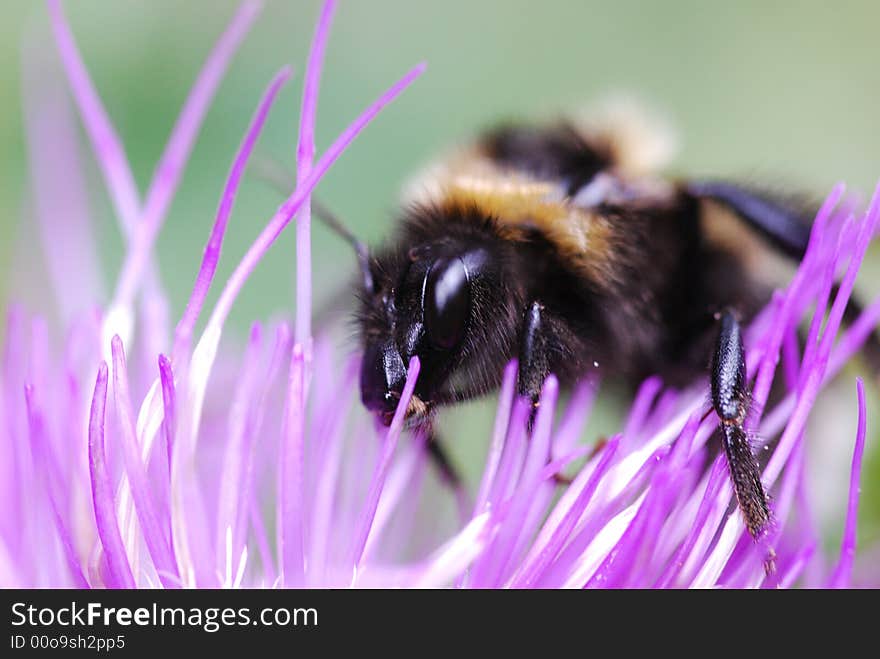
<point>543,338</point>
<point>534,362</point>
<point>448,472</point>
<point>730,398</point>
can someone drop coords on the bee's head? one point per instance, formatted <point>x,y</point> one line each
<point>423,304</point>
<point>441,297</point>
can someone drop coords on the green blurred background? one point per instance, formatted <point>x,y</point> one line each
<point>785,91</point>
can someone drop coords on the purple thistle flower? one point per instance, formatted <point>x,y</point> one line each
<point>145,458</point>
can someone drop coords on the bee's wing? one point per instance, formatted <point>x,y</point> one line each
<point>786,226</point>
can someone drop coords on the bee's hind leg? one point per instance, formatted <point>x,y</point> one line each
<point>730,399</point>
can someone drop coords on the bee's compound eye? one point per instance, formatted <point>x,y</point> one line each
<point>447,303</point>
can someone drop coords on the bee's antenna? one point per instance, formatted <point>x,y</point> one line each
<point>332,221</point>
<point>276,174</point>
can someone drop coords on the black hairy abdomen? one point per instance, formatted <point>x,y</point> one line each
<point>559,153</point>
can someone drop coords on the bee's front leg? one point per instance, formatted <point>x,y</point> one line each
<point>446,469</point>
<point>437,453</point>
<point>534,362</point>
<point>546,345</point>
<point>543,339</point>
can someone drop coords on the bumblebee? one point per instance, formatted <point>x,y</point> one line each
<point>559,245</point>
